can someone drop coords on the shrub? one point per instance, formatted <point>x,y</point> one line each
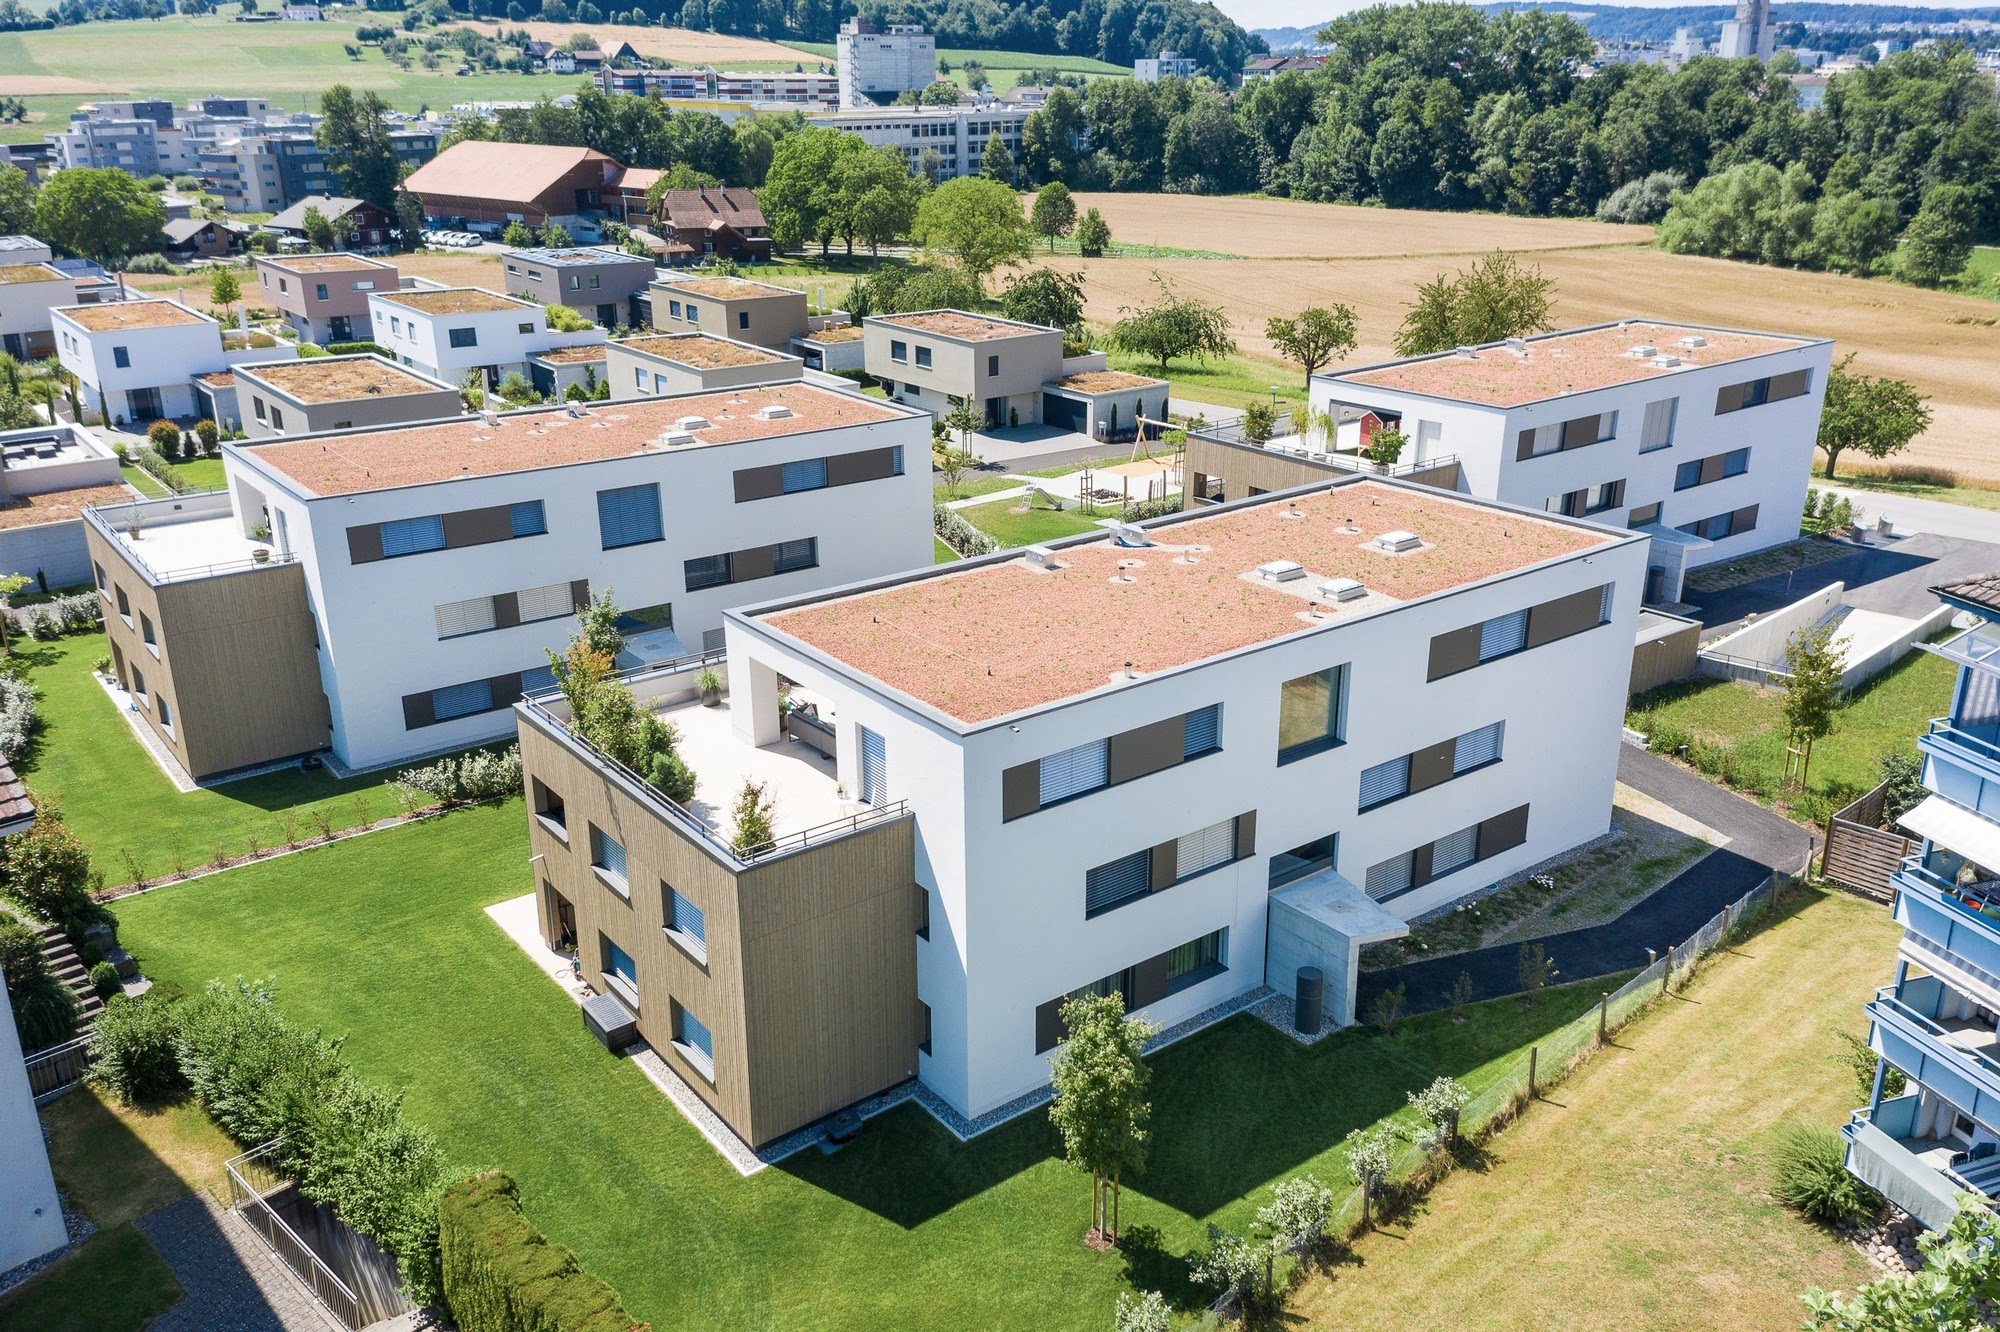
<point>754,812</point>
<point>960,535</point>
<point>19,716</point>
<point>308,350</point>
<point>562,319</point>
<point>1903,770</point>
<point>1862,1061</point>
<point>1299,1211</point>
<point>500,1274</point>
<point>1145,1312</point>
<point>21,957</point>
<point>165,437</point>
<point>1810,1162</point>
<point>105,980</point>
<point>210,437</point>
<point>46,1015</point>
<point>1232,1265</point>
<point>1440,1104</point>
<point>479,775</point>
<point>155,263</point>
<point>47,870</point>
<point>77,611</point>
<point>42,625</point>
<point>356,349</point>
<point>136,1057</point>
<point>1643,200</point>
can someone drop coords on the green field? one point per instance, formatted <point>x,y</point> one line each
<point>998,60</point>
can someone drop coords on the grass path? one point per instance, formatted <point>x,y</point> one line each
<point>1637,1196</point>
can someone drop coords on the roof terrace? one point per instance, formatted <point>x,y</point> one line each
<point>181,537</point>
<point>1025,632</point>
<point>339,378</point>
<point>455,300</point>
<point>551,437</point>
<point>1524,370</point>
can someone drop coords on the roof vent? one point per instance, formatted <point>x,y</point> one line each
<point>1341,589</point>
<point>491,418</point>
<point>1040,557</point>
<point>1124,533</point>
<point>691,423</point>
<point>1281,571</point>
<point>773,411</point>
<point>1642,351</point>
<point>1466,352</point>
<point>1693,340</point>
<point>1398,542</point>
<point>1517,344</point>
<point>1666,361</point>
<point>576,411</point>
<point>678,438</point>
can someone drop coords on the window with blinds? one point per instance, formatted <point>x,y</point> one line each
<point>1123,880</point>
<point>462,700</point>
<point>527,518</point>
<point>1385,782</point>
<point>684,917</point>
<point>1194,961</point>
<point>538,679</point>
<point>697,1045</point>
<point>874,769</point>
<point>548,602</point>
<point>629,515</point>
<point>1604,598</point>
<point>1503,634</point>
<point>1658,430</point>
<point>1392,876</point>
<point>805,474</point>
<point>788,556</point>
<point>472,616</point>
<point>606,853</point>
<point>412,536</point>
<point>706,571</point>
<point>1477,748</point>
<point>1455,851</point>
<point>1075,771</point>
<point>1201,851</point>
<point>1204,731</point>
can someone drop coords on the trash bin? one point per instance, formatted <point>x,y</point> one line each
<point>1308,1001</point>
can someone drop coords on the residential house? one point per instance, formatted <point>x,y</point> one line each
<point>707,224</point>
<point>1271,66</point>
<point>373,228</point>
<point>458,332</point>
<point>1347,728</point>
<point>331,393</point>
<point>387,593</point>
<point>664,364</point>
<point>48,475</point>
<point>190,238</point>
<point>490,184</point>
<point>738,308</point>
<point>1167,65</point>
<point>135,360</point>
<point>597,281</point>
<point>29,290</point>
<point>324,297</point>
<point>270,167</point>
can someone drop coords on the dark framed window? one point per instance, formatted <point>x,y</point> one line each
<point>463,337</point>
<point>805,474</point>
<point>923,358</point>
<point>706,571</point>
<point>527,518</point>
<point>1305,859</point>
<point>412,536</point>
<point>791,556</point>
<point>1309,707</point>
<point>1117,882</point>
<point>629,515</point>
<point>1196,961</point>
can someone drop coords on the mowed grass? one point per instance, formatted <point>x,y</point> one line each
<point>1638,1194</point>
<point>1012,524</point>
<point>1233,382</point>
<point>1742,725</point>
<point>113,1283</point>
<point>382,940</point>
<point>943,554</point>
<point>1974,497</point>
<point>118,801</point>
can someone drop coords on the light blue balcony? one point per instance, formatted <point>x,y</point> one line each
<point>1952,922</point>
<point>1954,1056</point>
<point>1885,1152</point>
<point>1973,749</point>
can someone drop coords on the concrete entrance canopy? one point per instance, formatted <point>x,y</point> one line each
<point>1322,921</point>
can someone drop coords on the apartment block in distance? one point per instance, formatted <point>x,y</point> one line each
<point>1181,761</point>
<point>389,593</point>
<point>1936,1023</point>
<point>957,134</point>
<point>324,297</point>
<point>326,393</point>
<point>1700,437</point>
<point>878,64</point>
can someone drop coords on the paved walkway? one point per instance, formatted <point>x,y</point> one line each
<point>1910,515</point>
<point>1758,842</point>
<point>233,1282</point>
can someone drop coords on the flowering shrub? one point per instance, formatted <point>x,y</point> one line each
<point>479,775</point>
<point>18,717</point>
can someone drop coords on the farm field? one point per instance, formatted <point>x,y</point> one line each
<point>683,46</point>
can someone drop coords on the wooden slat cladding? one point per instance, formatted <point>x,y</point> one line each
<point>842,469</point>
<point>809,980</point>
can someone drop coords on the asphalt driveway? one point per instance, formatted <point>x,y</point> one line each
<point>1893,576</point>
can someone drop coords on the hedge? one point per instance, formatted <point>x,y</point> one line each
<point>503,1275</point>
<point>959,534</point>
<point>357,349</point>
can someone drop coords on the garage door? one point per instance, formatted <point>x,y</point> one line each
<point>1064,413</point>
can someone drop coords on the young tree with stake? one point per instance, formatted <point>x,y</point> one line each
<point>1811,693</point>
<point>1100,1107</point>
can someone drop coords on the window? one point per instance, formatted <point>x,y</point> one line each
<point>1201,851</point>
<point>790,556</point>
<point>146,632</point>
<point>98,570</point>
<point>1075,772</point>
<point>1126,879</point>
<point>277,420</point>
<point>462,700</point>
<point>412,536</point>
<point>1775,388</point>
<point>1736,462</point>
<point>607,857</point>
<point>595,282</point>
<point>924,1021</point>
<point>899,352</point>
<point>462,337</point>
<point>472,616</point>
<point>551,601</point>
<point>1478,748</point>
<point>257,405</point>
<point>1302,860</point>
<point>674,308</point>
<point>1658,430</point>
<point>639,379</point>
<point>549,806</point>
<point>692,1040</point>
<point>1192,963</point>
<point>706,571</point>
<point>524,328</point>
<point>621,974</point>
<point>1503,634</point>
<point>166,712</point>
<point>1309,719</point>
<point>527,519</point>
<point>575,282</point>
<point>1644,516</point>
<point>896,460</point>
<point>366,284</point>
<point>124,606</point>
<point>121,357</point>
<point>874,769</point>
<point>1454,851</point>
<point>1392,876</point>
<point>629,515</point>
<point>694,315</point>
<point>805,474</point>
<point>993,365</point>
<point>138,685</point>
<point>1385,782</point>
<point>742,319</point>
<point>1204,731</point>
<point>685,924</point>
<point>1609,495</point>
<point>923,358</point>
<point>319,290</point>
<point>1723,525</point>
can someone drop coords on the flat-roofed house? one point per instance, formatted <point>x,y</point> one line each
<point>325,393</point>
<point>493,183</point>
<point>28,292</point>
<point>1232,744</point>
<point>457,332</point>
<point>48,476</point>
<point>597,281</point>
<point>729,307</point>
<point>387,593</point>
<point>668,363</point>
<point>555,371</point>
<point>324,297</point>
<point>133,359</point>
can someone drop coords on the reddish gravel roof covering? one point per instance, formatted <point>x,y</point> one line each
<point>991,641</point>
<point>958,324</point>
<point>572,355</point>
<point>57,505</point>
<point>113,316</point>
<point>420,455</point>
<point>1106,381</point>
<point>320,263</point>
<point>219,379</point>
<point>844,333</point>
<point>1566,363</point>
<point>339,378</point>
<point>700,350</point>
<point>727,289</point>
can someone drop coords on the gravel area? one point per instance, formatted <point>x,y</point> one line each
<point>80,1228</point>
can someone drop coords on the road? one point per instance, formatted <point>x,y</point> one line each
<point>1921,515</point>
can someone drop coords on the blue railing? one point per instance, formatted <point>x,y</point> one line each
<point>1943,728</point>
<point>1887,1001</point>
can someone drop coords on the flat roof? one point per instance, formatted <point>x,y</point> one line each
<point>112,316</point>
<point>549,437</point>
<point>1004,636</point>
<point>57,506</point>
<point>727,288</point>
<point>840,333</point>
<point>580,256</point>
<point>703,351</point>
<point>592,351</point>
<point>1501,374</point>
<point>959,324</point>
<point>338,378</point>
<point>455,300</point>
<point>1105,381</point>
<point>14,273</point>
<point>320,263</point>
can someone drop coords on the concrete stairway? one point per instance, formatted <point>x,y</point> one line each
<point>69,969</point>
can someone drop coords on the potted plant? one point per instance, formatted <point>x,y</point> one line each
<point>709,685</point>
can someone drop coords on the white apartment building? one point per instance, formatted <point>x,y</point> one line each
<point>136,360</point>
<point>31,1218</point>
<point>456,332</point>
<point>1164,781</point>
<point>959,134</point>
<point>876,64</point>
<point>1167,65</point>
<point>1700,437</point>
<point>389,592</point>
<point>28,293</point>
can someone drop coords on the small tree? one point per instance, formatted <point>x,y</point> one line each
<point>953,462</point>
<point>964,418</point>
<point>517,236</point>
<point>1387,1010</point>
<point>1875,416</point>
<point>555,237</point>
<point>1232,1265</point>
<point>1093,234</point>
<point>977,222</point>
<point>1461,995</point>
<point>1259,420</point>
<point>1496,298</point>
<point>1144,1312</point>
<point>319,231</point>
<point>224,290</point>
<point>1173,326</point>
<point>211,438</point>
<point>1054,213</point>
<point>1534,971</point>
<point>996,163</point>
<point>165,438</point>
<point>1440,1105</point>
<point>1299,1212</point>
<point>1370,1153</point>
<point>597,626</point>
<point>1314,336</point>
<point>1811,694</point>
<point>1100,1079</point>
<point>754,812</point>
<point>1386,445</point>
<point>1046,297</point>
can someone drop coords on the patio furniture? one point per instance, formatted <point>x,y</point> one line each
<point>610,1022</point>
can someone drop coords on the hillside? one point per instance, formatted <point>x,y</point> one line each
<point>1630,23</point>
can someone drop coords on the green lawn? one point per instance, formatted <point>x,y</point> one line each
<point>1971,496</point>
<point>996,61</point>
<point>1232,381</point>
<point>974,483</point>
<point>943,554</point>
<point>113,1283</point>
<point>118,801</point>
<point>382,940</point>
<point>1735,735</point>
<point>1000,521</point>
<point>142,481</point>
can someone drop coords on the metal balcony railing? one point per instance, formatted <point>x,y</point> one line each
<point>1946,730</point>
<point>1978,1063</point>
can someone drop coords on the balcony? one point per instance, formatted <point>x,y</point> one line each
<point>1971,748</point>
<point>1951,926</point>
<point>1952,1054</point>
<point>1913,1170</point>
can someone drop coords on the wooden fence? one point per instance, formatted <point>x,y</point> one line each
<point>1859,855</point>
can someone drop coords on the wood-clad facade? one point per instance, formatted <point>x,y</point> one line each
<point>805,976</point>
<point>1223,470</point>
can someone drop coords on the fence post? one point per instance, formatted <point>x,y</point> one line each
<point>1667,974</point>
<point>1534,1056</point>
<point>1728,921</point>
<point>1603,1007</point>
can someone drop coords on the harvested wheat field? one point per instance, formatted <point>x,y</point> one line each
<point>1949,346</point>
<point>683,46</point>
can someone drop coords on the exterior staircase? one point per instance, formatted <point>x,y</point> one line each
<point>69,969</point>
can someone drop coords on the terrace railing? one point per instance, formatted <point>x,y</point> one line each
<point>252,1178</point>
<point>1232,432</point>
<point>109,520</point>
<point>59,1067</point>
